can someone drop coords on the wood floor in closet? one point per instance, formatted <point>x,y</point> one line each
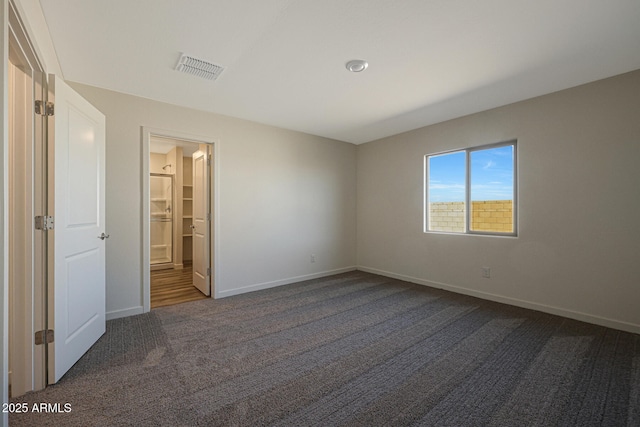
<point>169,287</point>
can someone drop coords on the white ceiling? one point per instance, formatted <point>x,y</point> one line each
<point>429,60</point>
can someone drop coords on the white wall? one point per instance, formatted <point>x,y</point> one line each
<point>283,196</point>
<point>578,249</point>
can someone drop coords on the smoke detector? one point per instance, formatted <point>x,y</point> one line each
<point>357,65</point>
<point>198,67</point>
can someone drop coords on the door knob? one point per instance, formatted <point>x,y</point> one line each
<point>103,236</point>
<point>192,226</point>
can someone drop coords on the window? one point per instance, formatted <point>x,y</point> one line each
<point>472,191</point>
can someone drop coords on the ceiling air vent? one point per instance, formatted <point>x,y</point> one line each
<point>198,67</point>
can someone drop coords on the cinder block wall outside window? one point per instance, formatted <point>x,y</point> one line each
<point>492,215</point>
<point>488,215</point>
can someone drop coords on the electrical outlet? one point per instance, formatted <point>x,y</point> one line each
<point>486,272</point>
<point>312,258</point>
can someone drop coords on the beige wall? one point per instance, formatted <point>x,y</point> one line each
<point>283,196</point>
<point>579,205</point>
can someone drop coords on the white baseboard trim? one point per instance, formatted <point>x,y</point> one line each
<point>116,314</point>
<point>267,285</point>
<point>576,315</point>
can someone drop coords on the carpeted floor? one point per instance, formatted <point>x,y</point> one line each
<point>353,349</point>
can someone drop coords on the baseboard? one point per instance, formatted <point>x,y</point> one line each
<point>267,285</point>
<point>116,314</point>
<point>576,315</point>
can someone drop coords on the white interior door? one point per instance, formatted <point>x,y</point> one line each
<point>201,259</point>
<point>77,182</point>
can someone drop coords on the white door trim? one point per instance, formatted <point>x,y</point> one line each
<point>147,133</point>
<point>29,311</point>
<point>4,211</point>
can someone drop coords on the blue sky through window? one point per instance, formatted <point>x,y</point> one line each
<point>447,177</point>
<point>491,175</point>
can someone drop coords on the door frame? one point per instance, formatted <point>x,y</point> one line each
<point>147,134</point>
<point>32,299</point>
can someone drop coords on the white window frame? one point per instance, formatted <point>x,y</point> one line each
<point>467,200</point>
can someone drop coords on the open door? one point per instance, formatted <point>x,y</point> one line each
<point>76,293</point>
<point>201,220</point>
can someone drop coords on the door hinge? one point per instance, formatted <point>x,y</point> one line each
<point>208,271</point>
<point>209,216</point>
<point>44,109</point>
<point>44,337</point>
<point>209,160</point>
<point>44,222</point>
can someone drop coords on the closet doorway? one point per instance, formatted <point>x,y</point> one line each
<point>179,220</point>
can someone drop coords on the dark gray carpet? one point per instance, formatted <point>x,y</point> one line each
<point>353,349</point>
